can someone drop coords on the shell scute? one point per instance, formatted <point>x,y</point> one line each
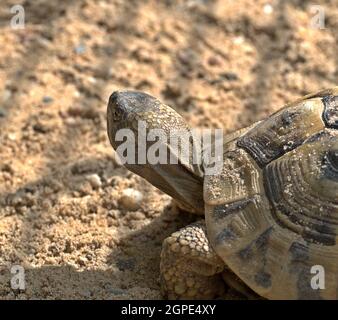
<point>283,131</point>
<point>238,179</point>
<point>302,189</point>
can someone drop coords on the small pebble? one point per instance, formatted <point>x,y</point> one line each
<point>238,40</point>
<point>268,8</point>
<point>92,80</point>
<point>94,180</point>
<point>131,199</point>
<point>47,99</point>
<point>71,121</point>
<point>76,94</point>
<point>214,61</point>
<point>11,136</point>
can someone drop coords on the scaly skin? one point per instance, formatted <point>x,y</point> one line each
<point>190,269</point>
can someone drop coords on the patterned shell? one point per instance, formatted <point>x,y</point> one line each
<point>272,213</point>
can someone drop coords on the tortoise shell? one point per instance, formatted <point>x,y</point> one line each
<point>272,213</point>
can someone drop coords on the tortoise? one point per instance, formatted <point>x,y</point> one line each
<point>270,213</point>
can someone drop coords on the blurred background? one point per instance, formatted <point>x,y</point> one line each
<point>81,225</point>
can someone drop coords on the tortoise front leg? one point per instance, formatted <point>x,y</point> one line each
<point>190,269</point>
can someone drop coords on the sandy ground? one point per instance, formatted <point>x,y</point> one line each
<point>219,63</point>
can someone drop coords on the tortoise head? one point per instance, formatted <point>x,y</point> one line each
<point>125,109</point>
<point>140,129</point>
